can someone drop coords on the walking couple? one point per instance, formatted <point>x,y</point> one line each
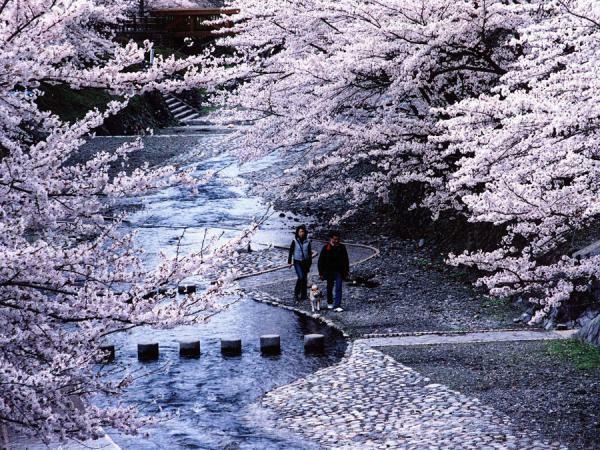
<point>333,266</point>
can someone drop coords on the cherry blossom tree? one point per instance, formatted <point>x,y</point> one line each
<point>192,4</point>
<point>490,106</point>
<point>70,278</point>
<point>531,158</point>
<point>352,84</point>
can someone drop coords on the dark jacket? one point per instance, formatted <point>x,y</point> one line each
<point>334,259</point>
<point>307,254</point>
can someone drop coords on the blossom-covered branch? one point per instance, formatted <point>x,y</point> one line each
<point>68,277</point>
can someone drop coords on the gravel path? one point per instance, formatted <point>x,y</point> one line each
<point>280,283</point>
<point>468,338</point>
<point>410,293</point>
<point>538,391</point>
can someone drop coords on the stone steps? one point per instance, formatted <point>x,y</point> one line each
<point>181,110</point>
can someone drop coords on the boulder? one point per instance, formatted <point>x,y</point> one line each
<point>587,316</point>
<point>590,333</point>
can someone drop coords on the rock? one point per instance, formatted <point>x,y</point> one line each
<point>270,344</point>
<point>586,317</point>
<point>169,291</point>
<point>366,279</point>
<point>189,349</point>
<point>314,343</point>
<point>525,317</point>
<point>590,333</point>
<point>231,347</point>
<point>108,353</point>
<point>186,289</point>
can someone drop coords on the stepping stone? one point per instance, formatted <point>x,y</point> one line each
<point>270,344</point>
<point>189,349</point>
<point>148,351</point>
<point>314,343</point>
<point>231,347</point>
<point>108,353</point>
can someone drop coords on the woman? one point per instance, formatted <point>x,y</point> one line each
<point>300,256</point>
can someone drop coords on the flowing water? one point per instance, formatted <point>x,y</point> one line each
<point>212,398</point>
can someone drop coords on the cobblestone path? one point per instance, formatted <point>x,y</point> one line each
<point>369,401</point>
<point>258,261</point>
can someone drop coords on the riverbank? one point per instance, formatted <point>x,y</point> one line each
<point>405,289</point>
<point>409,289</point>
<point>540,390</point>
<point>144,111</point>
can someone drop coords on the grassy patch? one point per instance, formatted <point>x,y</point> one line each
<point>583,356</point>
<point>208,109</point>
<point>421,262</point>
<point>495,303</point>
<point>72,104</point>
<point>460,275</point>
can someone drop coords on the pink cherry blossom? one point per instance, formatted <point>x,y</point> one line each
<point>69,277</point>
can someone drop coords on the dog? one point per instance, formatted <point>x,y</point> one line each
<point>315,296</point>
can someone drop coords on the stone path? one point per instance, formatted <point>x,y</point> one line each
<point>466,338</point>
<point>369,401</point>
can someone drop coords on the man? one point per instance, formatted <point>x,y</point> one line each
<point>334,267</point>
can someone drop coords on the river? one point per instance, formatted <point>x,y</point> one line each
<point>212,398</point>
